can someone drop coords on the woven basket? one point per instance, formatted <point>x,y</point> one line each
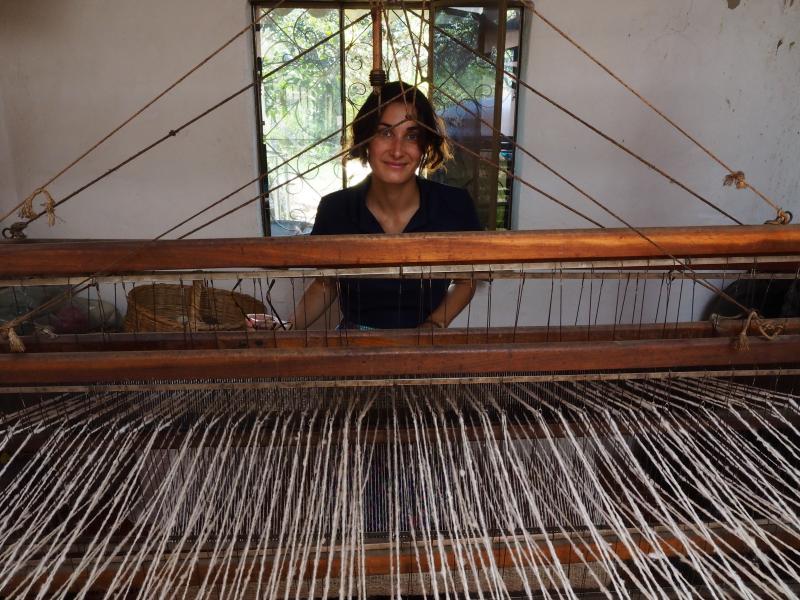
<point>168,307</point>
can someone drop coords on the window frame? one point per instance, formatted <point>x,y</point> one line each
<point>502,6</point>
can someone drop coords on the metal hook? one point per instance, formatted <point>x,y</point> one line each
<point>15,231</point>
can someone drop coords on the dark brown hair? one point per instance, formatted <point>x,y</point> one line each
<point>433,142</point>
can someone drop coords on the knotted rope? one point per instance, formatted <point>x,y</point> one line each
<point>765,328</point>
<point>738,177</point>
<point>14,342</point>
<point>784,218</point>
<point>738,180</point>
<point>27,211</point>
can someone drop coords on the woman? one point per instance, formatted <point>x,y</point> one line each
<point>396,133</point>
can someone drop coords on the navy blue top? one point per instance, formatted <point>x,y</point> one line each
<point>393,303</point>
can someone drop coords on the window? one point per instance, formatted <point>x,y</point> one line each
<point>304,105</point>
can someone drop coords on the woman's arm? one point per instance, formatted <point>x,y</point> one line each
<point>458,296</point>
<point>315,301</point>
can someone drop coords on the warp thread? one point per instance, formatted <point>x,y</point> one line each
<point>28,212</point>
<point>467,503</point>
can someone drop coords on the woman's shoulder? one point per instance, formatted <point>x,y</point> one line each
<point>443,192</point>
<point>452,207</point>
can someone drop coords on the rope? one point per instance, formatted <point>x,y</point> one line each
<point>174,132</point>
<point>586,124</point>
<point>15,344</point>
<point>766,329</point>
<point>737,176</point>
<point>695,277</point>
<point>784,218</point>
<point>51,205</point>
<point>27,211</point>
<point>26,203</point>
<point>735,179</point>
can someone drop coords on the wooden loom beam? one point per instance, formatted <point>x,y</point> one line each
<point>378,561</point>
<point>68,258</point>
<point>232,340</point>
<point>81,367</point>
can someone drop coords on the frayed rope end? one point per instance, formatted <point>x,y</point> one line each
<point>740,342</point>
<point>27,211</point>
<point>765,329</point>
<point>14,342</point>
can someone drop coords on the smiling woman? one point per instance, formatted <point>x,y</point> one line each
<point>398,134</point>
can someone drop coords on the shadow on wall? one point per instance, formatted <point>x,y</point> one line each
<point>773,299</point>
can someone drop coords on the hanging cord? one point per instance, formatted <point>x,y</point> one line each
<point>27,211</point>
<point>586,124</point>
<point>26,206</point>
<point>18,228</point>
<point>737,177</point>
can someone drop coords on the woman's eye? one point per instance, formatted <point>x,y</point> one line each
<point>386,133</point>
<point>412,137</point>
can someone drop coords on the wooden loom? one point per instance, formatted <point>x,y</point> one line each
<point>762,248</point>
<point>174,386</point>
<point>626,459</point>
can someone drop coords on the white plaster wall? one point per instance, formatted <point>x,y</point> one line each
<point>73,70</point>
<point>7,181</point>
<point>716,71</point>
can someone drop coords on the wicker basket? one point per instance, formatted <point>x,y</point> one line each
<point>168,307</point>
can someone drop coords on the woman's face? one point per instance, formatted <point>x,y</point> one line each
<point>395,151</point>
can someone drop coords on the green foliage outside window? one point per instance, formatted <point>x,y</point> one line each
<point>305,104</point>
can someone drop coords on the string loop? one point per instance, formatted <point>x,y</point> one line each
<point>27,211</point>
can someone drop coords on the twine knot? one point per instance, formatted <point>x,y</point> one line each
<point>784,218</point>
<point>27,211</point>
<point>735,179</point>
<point>765,328</point>
<point>15,231</point>
<point>14,342</point>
